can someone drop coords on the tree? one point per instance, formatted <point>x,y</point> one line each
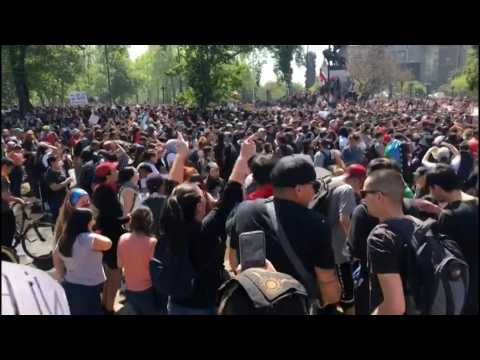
<point>471,69</point>
<point>402,76</point>
<point>310,72</point>
<point>122,84</point>
<point>465,81</point>
<point>8,85</point>
<point>283,55</point>
<point>205,70</point>
<point>52,69</point>
<point>17,55</point>
<point>372,70</point>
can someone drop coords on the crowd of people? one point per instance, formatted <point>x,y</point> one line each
<point>127,184</point>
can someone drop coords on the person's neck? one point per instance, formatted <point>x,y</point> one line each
<point>391,213</point>
<point>287,197</point>
<point>456,195</point>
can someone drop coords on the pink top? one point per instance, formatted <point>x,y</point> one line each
<point>134,253</point>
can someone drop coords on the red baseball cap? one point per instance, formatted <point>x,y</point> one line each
<point>356,171</point>
<point>105,168</point>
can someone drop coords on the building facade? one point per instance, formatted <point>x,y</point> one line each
<point>429,64</point>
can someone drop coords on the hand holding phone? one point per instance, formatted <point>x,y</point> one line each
<point>252,249</point>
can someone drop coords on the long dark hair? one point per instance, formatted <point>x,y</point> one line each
<point>179,216</point>
<point>77,224</point>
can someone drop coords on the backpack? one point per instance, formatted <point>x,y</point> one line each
<point>394,151</point>
<point>321,200</point>
<point>437,275</point>
<point>171,274</point>
<point>257,291</point>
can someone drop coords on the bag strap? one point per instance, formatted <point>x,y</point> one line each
<point>308,280</point>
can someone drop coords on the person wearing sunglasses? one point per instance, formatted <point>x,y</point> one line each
<point>383,195</point>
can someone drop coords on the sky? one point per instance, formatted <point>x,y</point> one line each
<point>267,70</point>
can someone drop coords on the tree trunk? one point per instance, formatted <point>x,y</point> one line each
<point>17,54</point>
<point>173,88</point>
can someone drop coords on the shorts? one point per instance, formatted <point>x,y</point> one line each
<point>345,277</point>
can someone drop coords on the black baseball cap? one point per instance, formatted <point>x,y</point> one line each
<point>293,170</point>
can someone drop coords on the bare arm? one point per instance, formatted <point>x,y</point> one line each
<point>240,170</point>
<point>329,286</point>
<point>338,160</point>
<point>101,243</point>
<point>128,196</point>
<point>176,172</point>
<point>393,296</point>
<point>232,257</point>
<point>452,148</point>
<point>425,161</point>
<point>62,185</point>
<point>58,264</point>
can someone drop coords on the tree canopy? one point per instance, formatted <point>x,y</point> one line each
<point>193,74</point>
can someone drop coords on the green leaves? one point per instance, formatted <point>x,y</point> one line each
<point>466,82</point>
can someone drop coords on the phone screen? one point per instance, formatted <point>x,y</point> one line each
<point>252,249</point>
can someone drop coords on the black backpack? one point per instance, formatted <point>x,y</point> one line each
<point>436,273</point>
<point>257,291</point>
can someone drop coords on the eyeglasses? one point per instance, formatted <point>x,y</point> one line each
<point>364,193</point>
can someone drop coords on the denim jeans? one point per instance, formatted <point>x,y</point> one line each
<point>143,302</point>
<point>175,309</point>
<point>82,299</point>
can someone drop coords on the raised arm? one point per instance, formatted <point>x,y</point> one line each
<point>176,172</point>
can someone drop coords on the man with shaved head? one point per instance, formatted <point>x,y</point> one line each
<point>383,193</point>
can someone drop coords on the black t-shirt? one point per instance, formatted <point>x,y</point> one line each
<point>307,231</point>
<point>385,252</point>
<point>361,224</point>
<point>6,190</point>
<point>79,146</point>
<point>460,222</point>
<point>54,177</point>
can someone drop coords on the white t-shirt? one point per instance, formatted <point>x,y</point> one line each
<point>85,266</point>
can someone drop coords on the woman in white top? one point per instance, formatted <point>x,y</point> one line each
<point>78,259</point>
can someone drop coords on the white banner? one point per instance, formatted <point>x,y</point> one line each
<point>30,291</point>
<point>78,98</point>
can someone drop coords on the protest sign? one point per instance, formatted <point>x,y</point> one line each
<point>30,291</point>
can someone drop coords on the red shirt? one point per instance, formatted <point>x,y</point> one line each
<point>473,145</point>
<point>263,192</point>
<point>51,138</point>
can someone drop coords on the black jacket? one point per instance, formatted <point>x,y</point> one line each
<point>206,248</point>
